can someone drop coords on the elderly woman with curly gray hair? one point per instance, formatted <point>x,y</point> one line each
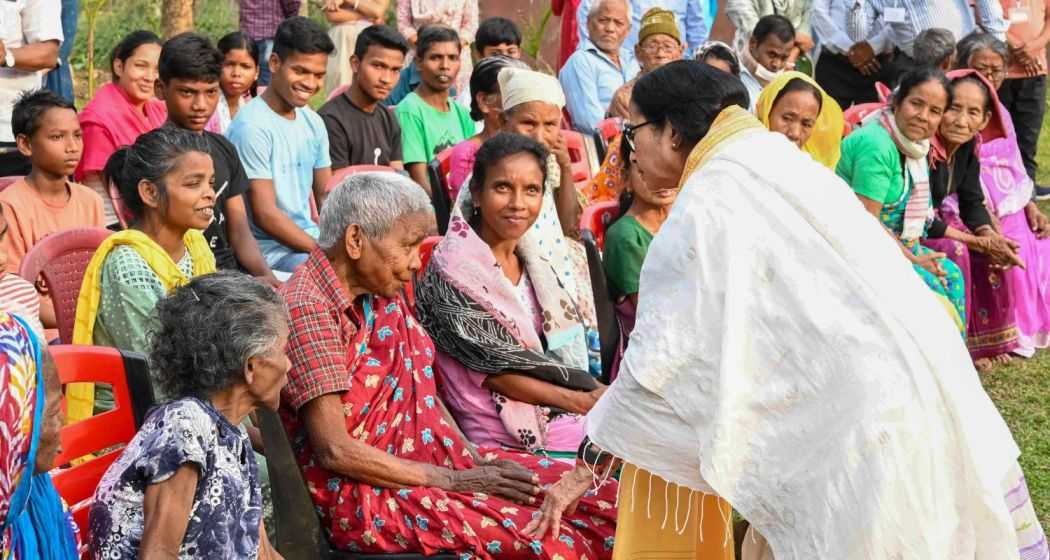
<point>187,485</point>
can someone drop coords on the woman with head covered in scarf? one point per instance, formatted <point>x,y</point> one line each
<point>35,522</point>
<point>795,106</point>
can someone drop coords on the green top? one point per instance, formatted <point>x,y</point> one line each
<point>626,244</point>
<point>129,292</point>
<point>426,132</point>
<point>871,164</point>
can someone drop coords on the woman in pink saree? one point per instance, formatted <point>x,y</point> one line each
<point>1008,194</point>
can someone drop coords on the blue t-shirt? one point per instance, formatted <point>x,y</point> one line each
<point>286,152</point>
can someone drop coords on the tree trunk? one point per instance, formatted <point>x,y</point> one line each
<point>176,17</point>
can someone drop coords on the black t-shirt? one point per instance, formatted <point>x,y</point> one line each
<point>359,138</point>
<point>962,175</point>
<point>230,182</point>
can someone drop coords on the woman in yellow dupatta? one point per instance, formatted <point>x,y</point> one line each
<point>166,181</point>
<point>795,106</point>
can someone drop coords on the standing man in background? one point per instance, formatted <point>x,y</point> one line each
<point>907,18</point>
<point>60,79</point>
<point>855,51</point>
<point>30,36</point>
<point>1024,91</point>
<point>259,21</point>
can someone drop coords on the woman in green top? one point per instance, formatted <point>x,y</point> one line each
<point>885,163</point>
<point>643,210</point>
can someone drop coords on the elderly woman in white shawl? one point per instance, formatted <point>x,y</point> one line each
<point>532,106</point>
<point>787,359</point>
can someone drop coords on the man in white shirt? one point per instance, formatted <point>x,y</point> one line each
<point>30,35</point>
<point>855,50</point>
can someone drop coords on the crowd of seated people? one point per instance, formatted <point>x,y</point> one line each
<point>429,405</point>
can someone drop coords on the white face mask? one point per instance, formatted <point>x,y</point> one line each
<point>765,74</point>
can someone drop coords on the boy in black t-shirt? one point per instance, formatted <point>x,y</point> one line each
<point>189,85</point>
<point>360,130</point>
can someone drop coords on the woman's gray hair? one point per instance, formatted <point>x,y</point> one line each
<point>206,331</point>
<point>979,41</point>
<point>375,201</point>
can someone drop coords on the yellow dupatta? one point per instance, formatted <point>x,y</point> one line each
<point>80,397</point>
<point>733,122</point>
<point>824,144</point>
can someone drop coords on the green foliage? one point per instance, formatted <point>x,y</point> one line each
<point>533,34</point>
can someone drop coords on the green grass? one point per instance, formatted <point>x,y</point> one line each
<point>1021,390</point>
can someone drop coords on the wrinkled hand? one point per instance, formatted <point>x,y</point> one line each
<point>930,262</point>
<point>585,400</point>
<point>561,499</point>
<point>1001,251</point>
<point>271,281</point>
<point>803,42</point>
<point>1038,221</point>
<point>862,57</point>
<point>499,478</point>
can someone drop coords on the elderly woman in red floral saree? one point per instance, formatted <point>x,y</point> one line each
<point>400,477</point>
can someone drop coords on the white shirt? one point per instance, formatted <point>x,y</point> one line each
<point>831,25</point>
<point>23,22</point>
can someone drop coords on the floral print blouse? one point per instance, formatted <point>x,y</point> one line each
<point>226,513</point>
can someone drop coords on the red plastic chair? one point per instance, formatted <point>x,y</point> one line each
<point>107,433</point>
<point>597,217</point>
<point>123,214</point>
<point>345,172</point>
<point>426,249</point>
<point>61,259</point>
<point>855,114</point>
<point>581,166</point>
<point>9,180</point>
<point>610,128</point>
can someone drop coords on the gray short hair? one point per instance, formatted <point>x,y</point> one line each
<point>933,47</point>
<point>375,201</point>
<point>597,5</point>
<point>206,331</point>
<point>979,41</point>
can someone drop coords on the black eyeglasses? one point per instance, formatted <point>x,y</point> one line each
<point>629,131</point>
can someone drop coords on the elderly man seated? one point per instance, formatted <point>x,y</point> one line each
<point>399,476</point>
<point>600,65</point>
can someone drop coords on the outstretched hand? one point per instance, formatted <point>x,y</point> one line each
<point>561,499</point>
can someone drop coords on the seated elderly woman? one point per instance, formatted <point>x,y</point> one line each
<point>1008,193</point>
<point>643,209</point>
<point>187,485</point>
<point>515,374</point>
<point>795,105</point>
<point>897,138</point>
<point>34,522</point>
<point>963,228</point>
<point>386,465</point>
<point>165,180</point>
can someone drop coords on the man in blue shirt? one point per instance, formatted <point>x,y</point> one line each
<point>600,65</point>
<point>907,18</point>
<point>694,25</point>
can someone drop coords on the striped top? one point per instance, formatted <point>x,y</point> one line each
<point>19,297</point>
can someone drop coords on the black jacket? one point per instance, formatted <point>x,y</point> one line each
<point>963,172</point>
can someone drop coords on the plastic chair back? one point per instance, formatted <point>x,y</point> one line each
<point>597,217</point>
<point>299,533</point>
<point>105,434</point>
<point>441,197</point>
<point>61,259</point>
<point>339,176</point>
<point>581,165</point>
<point>123,214</point>
<point>9,180</point>
<point>855,114</point>
<point>604,307</point>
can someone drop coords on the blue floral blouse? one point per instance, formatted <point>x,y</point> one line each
<point>227,506</point>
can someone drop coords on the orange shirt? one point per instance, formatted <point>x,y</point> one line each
<point>1027,30</point>
<point>30,219</point>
